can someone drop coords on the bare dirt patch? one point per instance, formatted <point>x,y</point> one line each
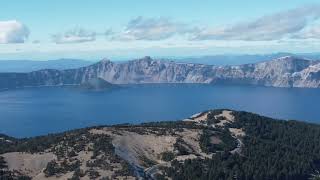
<point>227,118</point>
<point>132,146</point>
<point>42,176</point>
<point>237,132</point>
<point>215,140</point>
<point>198,118</point>
<point>192,137</point>
<point>28,164</point>
<point>201,117</point>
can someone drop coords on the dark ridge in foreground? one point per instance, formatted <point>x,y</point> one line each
<point>216,144</point>
<point>282,72</point>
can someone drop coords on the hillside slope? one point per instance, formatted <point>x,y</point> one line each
<point>216,144</point>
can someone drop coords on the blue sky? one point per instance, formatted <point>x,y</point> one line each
<point>118,29</point>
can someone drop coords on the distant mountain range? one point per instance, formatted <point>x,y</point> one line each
<point>286,71</point>
<point>29,65</point>
<point>219,60</point>
<point>238,59</point>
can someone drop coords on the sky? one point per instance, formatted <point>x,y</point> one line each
<point>122,29</point>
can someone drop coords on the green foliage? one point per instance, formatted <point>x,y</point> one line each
<point>167,156</point>
<point>6,174</point>
<point>146,162</point>
<point>77,174</point>
<point>93,174</point>
<point>211,119</point>
<point>72,153</point>
<point>125,170</point>
<point>102,144</point>
<point>181,147</point>
<point>54,168</point>
<point>273,149</point>
<point>160,177</point>
<point>227,141</point>
<point>3,163</point>
<point>315,175</point>
<point>41,143</point>
<point>189,170</point>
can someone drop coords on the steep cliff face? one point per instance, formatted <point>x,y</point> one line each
<point>283,72</point>
<point>280,72</point>
<point>147,70</point>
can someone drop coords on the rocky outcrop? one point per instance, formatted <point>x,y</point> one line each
<point>97,84</point>
<point>282,72</point>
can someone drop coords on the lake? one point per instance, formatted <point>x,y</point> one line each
<point>39,111</point>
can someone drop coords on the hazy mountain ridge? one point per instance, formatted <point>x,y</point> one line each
<point>30,65</point>
<point>238,59</point>
<point>282,72</point>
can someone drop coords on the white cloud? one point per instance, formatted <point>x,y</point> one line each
<point>76,35</point>
<point>308,33</point>
<point>152,29</point>
<point>272,27</point>
<point>35,41</point>
<point>109,32</point>
<point>13,32</point>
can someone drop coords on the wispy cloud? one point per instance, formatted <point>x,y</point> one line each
<point>290,24</point>
<point>76,35</point>
<point>35,41</point>
<point>152,29</point>
<point>13,32</point>
<point>271,27</point>
<point>108,32</point>
<point>308,33</point>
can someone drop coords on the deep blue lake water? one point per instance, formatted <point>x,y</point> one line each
<point>38,111</point>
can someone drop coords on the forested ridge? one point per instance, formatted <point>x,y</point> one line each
<point>273,149</point>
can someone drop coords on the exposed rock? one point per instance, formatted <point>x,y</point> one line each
<point>282,72</point>
<point>97,84</point>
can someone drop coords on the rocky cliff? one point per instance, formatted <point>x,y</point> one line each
<point>282,72</point>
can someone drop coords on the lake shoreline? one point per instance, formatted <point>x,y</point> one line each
<point>69,108</point>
